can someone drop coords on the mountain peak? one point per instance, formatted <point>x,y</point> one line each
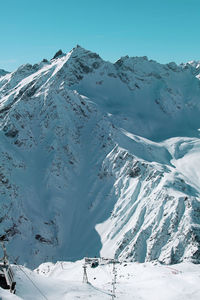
<point>59,53</point>
<point>3,72</point>
<point>79,51</point>
<point>193,63</point>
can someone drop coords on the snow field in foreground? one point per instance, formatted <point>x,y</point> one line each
<point>146,281</point>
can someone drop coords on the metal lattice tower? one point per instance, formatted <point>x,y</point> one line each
<point>114,281</point>
<point>85,278</point>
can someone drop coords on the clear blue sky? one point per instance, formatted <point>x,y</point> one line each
<point>164,30</point>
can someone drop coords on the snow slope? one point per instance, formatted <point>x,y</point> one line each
<point>100,159</point>
<point>133,281</point>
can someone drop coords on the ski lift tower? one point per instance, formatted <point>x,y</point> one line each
<point>85,278</point>
<point>114,280</point>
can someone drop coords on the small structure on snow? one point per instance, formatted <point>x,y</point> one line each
<point>93,262</point>
<point>6,273</point>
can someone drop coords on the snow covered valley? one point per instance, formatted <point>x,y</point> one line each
<point>146,281</point>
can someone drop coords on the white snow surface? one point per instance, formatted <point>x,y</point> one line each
<point>100,159</point>
<point>146,281</point>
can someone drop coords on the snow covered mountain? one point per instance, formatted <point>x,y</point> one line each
<point>100,159</point>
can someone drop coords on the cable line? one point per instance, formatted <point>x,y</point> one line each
<point>33,282</point>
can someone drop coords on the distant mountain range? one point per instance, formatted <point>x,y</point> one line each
<point>100,159</point>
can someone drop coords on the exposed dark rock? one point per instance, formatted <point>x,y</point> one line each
<point>10,232</point>
<point>12,133</point>
<point>59,53</point>
<point>85,68</point>
<point>42,239</point>
<point>135,172</point>
<point>96,65</point>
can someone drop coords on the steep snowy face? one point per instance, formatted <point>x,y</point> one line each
<point>100,159</point>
